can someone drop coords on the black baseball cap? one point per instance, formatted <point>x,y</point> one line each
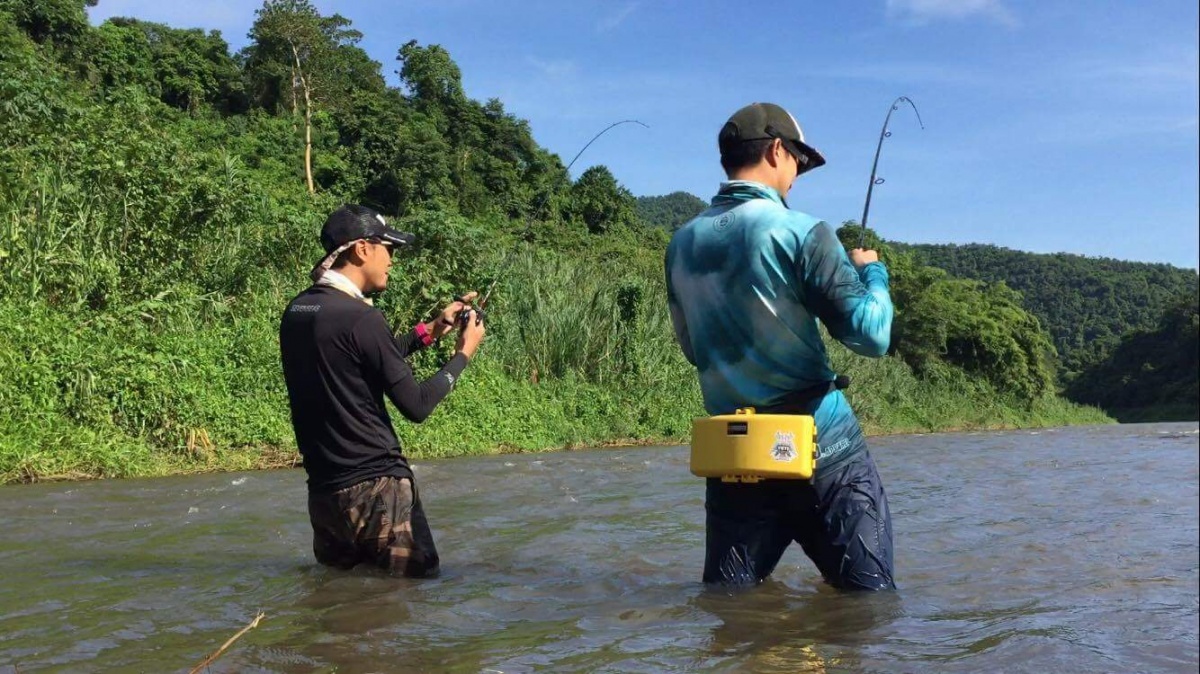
<point>762,121</point>
<point>352,222</point>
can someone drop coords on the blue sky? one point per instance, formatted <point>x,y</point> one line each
<point>1051,125</point>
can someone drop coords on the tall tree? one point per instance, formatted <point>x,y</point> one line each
<point>297,50</point>
<point>58,22</point>
<point>432,79</point>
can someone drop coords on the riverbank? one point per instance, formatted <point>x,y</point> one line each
<point>489,413</point>
<point>184,387</point>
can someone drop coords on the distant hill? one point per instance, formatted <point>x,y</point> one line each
<point>1087,304</point>
<point>670,211</point>
<point>1152,375</point>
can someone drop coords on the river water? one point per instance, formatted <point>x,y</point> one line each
<point>1061,550</point>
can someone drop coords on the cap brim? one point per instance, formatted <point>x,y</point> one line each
<point>813,157</point>
<point>394,237</point>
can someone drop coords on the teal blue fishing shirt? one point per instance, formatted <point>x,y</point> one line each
<point>747,281</point>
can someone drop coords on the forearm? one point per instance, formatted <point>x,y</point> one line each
<point>853,303</point>
<point>870,323</point>
<point>417,400</point>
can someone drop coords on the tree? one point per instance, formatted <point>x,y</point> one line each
<point>296,24</point>
<point>494,164</point>
<point>600,202</point>
<point>432,79</point>
<point>1152,374</point>
<point>1087,304</point>
<point>979,327</point>
<point>297,50</point>
<point>670,211</point>
<point>185,68</point>
<point>58,22</point>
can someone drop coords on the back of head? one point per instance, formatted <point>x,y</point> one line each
<point>349,223</point>
<point>744,139</point>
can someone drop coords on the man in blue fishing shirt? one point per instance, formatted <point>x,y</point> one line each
<point>747,281</point>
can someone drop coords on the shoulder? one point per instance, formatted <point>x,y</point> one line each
<point>776,223</point>
<point>306,303</point>
<point>330,307</point>
<point>366,320</point>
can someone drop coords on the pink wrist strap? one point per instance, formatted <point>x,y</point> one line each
<point>423,333</point>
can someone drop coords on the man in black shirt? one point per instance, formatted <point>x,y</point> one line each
<point>339,361</point>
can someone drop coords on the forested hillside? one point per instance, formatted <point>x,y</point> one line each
<point>1087,304</point>
<point>669,211</point>
<point>160,199</point>
<point>1151,374</point>
<point>1122,330</point>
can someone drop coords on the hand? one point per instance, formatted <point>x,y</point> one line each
<point>861,258</point>
<point>471,335</point>
<point>448,317</point>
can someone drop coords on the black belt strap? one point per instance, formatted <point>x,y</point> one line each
<point>801,402</point>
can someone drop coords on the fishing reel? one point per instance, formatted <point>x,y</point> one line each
<point>465,315</point>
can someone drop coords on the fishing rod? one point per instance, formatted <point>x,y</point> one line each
<point>537,210</point>
<point>879,181</point>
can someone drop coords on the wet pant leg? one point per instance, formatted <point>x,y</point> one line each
<point>378,521</point>
<point>747,530</point>
<point>850,538</point>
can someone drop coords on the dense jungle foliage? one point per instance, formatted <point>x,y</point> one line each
<point>1092,308</point>
<point>160,199</point>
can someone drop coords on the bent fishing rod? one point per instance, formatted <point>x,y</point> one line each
<point>879,181</point>
<point>537,210</point>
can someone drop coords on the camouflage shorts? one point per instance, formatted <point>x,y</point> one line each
<point>380,522</point>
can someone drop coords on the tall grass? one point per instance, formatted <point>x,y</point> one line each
<point>117,367</point>
<point>568,317</point>
<point>146,254</point>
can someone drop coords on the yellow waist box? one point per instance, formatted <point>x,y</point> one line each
<point>748,447</point>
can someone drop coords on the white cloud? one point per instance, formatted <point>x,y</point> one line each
<point>924,11</point>
<point>1162,70</point>
<point>556,68</point>
<point>1188,124</point>
<point>900,71</point>
<point>617,18</point>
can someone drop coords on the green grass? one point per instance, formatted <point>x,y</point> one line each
<point>180,388</point>
<point>116,368</point>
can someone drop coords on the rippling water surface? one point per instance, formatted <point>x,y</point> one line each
<point>1065,550</point>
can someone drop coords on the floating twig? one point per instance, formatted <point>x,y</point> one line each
<point>208,661</point>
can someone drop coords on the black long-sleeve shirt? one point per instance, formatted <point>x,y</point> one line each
<point>339,361</point>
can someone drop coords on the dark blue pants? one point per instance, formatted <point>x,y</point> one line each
<point>840,518</point>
